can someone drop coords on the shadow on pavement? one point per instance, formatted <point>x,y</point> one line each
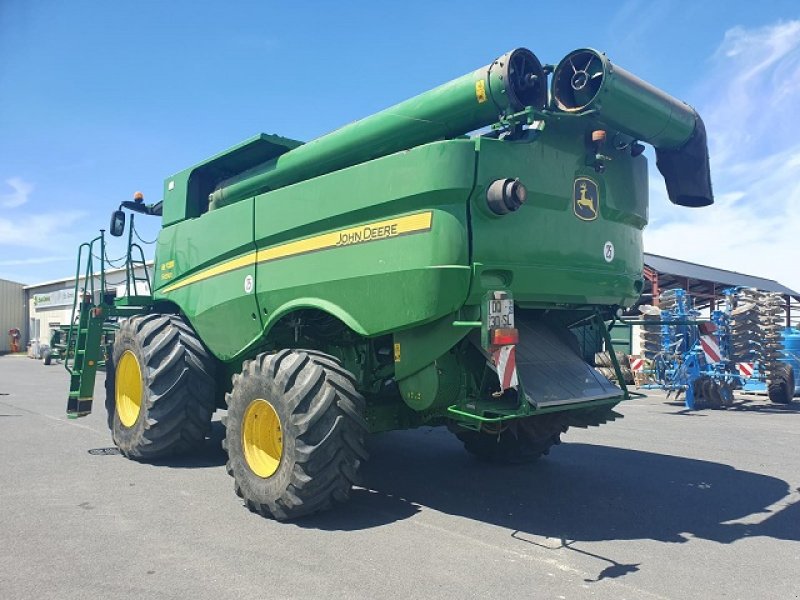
<point>209,454</point>
<point>581,492</point>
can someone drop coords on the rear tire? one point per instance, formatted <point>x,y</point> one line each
<point>781,385</point>
<point>166,407</point>
<point>518,442</point>
<point>47,357</point>
<point>294,433</point>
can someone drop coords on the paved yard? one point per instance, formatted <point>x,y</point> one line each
<point>662,504</point>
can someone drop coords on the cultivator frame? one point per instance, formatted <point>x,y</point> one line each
<point>698,357</point>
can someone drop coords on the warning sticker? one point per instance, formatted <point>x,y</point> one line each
<point>480,91</point>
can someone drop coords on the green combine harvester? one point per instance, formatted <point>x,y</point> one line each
<point>394,273</point>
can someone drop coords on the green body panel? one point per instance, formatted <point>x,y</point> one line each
<point>543,252</point>
<point>224,316</point>
<point>379,286</point>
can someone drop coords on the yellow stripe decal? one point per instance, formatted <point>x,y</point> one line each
<point>236,263</point>
<point>371,232</point>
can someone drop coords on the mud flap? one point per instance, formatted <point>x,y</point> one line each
<point>551,370</point>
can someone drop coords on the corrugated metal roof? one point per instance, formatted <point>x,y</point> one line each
<point>682,268</point>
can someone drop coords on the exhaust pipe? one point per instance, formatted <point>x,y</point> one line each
<point>585,80</point>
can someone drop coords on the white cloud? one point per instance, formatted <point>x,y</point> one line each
<point>19,196</point>
<point>39,231</point>
<point>38,260</point>
<point>751,106</point>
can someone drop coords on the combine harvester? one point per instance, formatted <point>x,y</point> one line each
<point>739,347</point>
<point>392,274</point>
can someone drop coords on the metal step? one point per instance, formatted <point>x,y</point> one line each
<point>552,371</point>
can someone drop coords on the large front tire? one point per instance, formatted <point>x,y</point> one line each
<point>294,433</point>
<point>159,387</point>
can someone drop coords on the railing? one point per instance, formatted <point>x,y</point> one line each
<point>89,279</point>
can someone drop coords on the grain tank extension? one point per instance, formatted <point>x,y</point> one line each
<point>396,272</point>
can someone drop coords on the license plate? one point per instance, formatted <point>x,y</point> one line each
<point>501,311</point>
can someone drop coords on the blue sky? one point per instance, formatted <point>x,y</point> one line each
<point>100,99</point>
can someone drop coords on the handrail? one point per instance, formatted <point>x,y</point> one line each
<point>130,273</point>
<point>88,281</point>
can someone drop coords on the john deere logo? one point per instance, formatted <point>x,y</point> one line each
<point>585,199</point>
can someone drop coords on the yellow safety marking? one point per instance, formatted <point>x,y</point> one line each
<point>397,352</point>
<point>371,232</point>
<point>480,91</point>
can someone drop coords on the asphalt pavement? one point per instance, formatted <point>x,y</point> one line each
<point>664,503</point>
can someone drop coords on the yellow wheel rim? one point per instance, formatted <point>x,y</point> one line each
<point>262,439</point>
<point>128,390</point>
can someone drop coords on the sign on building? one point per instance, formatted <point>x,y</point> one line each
<point>63,297</point>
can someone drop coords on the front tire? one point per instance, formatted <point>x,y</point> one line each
<point>294,433</point>
<point>159,387</point>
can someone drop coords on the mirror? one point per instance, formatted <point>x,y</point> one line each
<point>117,223</point>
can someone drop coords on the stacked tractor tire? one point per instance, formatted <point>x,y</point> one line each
<point>756,325</point>
<point>780,375</point>
<point>745,324</point>
<point>603,364</point>
<point>650,332</point>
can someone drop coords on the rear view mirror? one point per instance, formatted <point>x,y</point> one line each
<point>117,223</point>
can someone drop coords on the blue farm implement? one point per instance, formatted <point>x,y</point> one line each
<point>698,358</point>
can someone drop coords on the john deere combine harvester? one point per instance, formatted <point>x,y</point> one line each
<point>396,273</point>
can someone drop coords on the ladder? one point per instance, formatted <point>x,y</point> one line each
<point>85,357</point>
<point>91,310</point>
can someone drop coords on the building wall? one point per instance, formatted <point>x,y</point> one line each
<point>50,304</point>
<point>12,312</point>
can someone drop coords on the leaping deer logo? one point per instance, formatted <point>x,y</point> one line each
<point>585,199</point>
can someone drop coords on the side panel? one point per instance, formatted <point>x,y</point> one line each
<point>202,266</point>
<point>382,245</point>
<point>545,252</point>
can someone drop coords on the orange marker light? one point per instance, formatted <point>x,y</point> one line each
<point>138,197</point>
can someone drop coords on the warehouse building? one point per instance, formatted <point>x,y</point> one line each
<point>50,304</point>
<point>35,310</point>
<point>12,315</point>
